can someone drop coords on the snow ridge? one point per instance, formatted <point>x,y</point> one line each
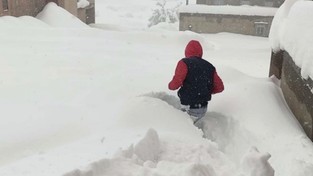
<point>152,156</point>
<point>58,17</point>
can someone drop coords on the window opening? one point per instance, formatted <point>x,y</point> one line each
<point>260,28</point>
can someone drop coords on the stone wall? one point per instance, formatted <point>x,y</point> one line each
<point>33,7</point>
<point>214,2</point>
<point>215,23</point>
<point>274,3</point>
<point>69,5</point>
<point>22,7</point>
<point>298,92</point>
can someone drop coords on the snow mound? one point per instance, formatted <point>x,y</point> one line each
<point>170,99</point>
<point>146,158</point>
<point>218,128</point>
<point>58,17</point>
<point>255,163</point>
<point>21,22</point>
<point>157,156</point>
<point>143,112</point>
<point>278,23</point>
<point>292,31</point>
<point>149,147</point>
<point>297,37</point>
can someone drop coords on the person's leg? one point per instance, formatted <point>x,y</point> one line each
<point>197,113</point>
<point>184,108</point>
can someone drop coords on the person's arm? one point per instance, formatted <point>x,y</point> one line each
<point>218,84</point>
<point>179,77</point>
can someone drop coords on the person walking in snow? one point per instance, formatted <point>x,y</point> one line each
<point>197,80</point>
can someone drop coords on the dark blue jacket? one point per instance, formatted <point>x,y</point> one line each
<point>198,85</point>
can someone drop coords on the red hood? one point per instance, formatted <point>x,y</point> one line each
<point>193,48</point>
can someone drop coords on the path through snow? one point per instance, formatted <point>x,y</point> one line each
<point>225,131</point>
<point>153,155</point>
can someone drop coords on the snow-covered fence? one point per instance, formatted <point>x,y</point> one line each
<point>292,59</point>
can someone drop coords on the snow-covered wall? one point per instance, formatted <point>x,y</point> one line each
<point>83,9</point>
<point>291,39</point>
<point>247,20</point>
<point>216,23</point>
<point>292,31</point>
<point>298,93</point>
<point>229,10</point>
<point>22,8</point>
<point>56,16</point>
<point>267,3</point>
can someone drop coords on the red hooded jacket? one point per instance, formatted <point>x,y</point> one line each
<point>193,48</point>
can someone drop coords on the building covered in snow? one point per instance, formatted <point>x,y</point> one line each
<point>32,7</point>
<point>247,20</point>
<point>292,58</point>
<point>266,3</point>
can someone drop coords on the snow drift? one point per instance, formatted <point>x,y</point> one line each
<point>80,101</point>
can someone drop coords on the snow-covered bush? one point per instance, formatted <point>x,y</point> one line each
<point>162,13</point>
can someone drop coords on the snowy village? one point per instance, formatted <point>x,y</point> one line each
<point>156,88</point>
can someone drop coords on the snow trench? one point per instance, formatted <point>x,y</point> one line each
<point>153,155</point>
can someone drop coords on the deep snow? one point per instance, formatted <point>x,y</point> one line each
<point>78,101</point>
<point>292,32</point>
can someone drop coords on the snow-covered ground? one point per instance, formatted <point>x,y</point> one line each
<point>93,101</point>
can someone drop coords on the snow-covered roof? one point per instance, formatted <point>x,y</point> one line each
<point>65,19</point>
<point>292,31</point>
<point>244,10</point>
